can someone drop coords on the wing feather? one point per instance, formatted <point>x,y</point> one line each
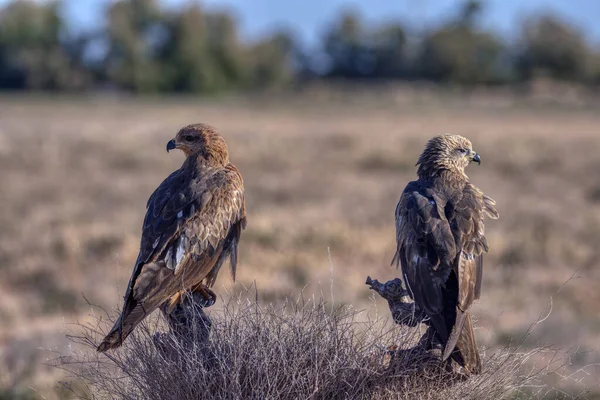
<point>214,233</point>
<point>193,219</point>
<point>479,275</point>
<point>189,216</point>
<point>425,250</point>
<point>440,246</point>
<point>467,280</point>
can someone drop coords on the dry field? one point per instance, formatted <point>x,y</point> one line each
<point>322,180</point>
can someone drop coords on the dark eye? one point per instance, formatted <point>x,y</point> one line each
<point>189,138</point>
<point>463,151</point>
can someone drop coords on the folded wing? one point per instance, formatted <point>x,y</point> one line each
<point>193,222</point>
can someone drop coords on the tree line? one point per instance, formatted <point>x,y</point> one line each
<point>144,48</point>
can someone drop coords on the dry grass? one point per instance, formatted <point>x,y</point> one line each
<point>322,180</point>
<point>296,350</point>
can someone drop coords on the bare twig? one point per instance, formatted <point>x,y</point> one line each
<point>299,349</point>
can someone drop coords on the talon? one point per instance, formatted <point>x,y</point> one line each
<point>210,297</point>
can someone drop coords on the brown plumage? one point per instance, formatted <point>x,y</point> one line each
<point>193,224</point>
<point>440,243</point>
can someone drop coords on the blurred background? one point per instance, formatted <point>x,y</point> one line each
<point>325,107</point>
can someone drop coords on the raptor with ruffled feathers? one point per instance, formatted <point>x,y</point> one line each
<point>440,244</point>
<point>193,223</point>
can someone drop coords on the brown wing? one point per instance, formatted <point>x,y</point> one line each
<point>178,194</point>
<point>214,234</point>
<point>425,250</point>
<point>193,222</point>
<point>205,238</point>
<point>190,217</point>
<point>468,229</point>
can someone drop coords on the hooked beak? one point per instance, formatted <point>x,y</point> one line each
<point>477,159</point>
<point>171,145</point>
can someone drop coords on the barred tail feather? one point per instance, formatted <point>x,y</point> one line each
<point>124,326</point>
<point>462,346</point>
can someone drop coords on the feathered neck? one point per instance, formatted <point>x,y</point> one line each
<point>427,172</point>
<point>204,160</point>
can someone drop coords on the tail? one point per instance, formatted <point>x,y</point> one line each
<point>144,295</point>
<point>129,319</point>
<point>461,345</point>
<point>114,338</point>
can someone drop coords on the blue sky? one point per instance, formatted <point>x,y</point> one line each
<point>307,18</point>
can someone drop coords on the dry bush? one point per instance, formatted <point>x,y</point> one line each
<point>298,350</point>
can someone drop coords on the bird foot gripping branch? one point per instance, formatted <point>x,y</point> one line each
<point>188,323</point>
<point>187,320</point>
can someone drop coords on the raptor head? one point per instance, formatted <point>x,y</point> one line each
<point>446,152</point>
<point>200,140</point>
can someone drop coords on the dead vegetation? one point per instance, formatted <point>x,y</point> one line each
<point>302,349</point>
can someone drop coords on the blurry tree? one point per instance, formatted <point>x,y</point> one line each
<point>346,48</point>
<point>354,51</point>
<point>134,34</point>
<point>389,51</point>
<point>144,48</point>
<point>469,12</point>
<point>189,50</point>
<point>184,53</point>
<point>226,51</point>
<point>272,61</point>
<point>460,53</point>
<point>553,48</point>
<point>594,67</point>
<point>34,52</point>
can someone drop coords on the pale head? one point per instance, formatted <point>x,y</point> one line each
<point>202,141</point>
<point>446,153</point>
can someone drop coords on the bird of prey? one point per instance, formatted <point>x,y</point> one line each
<point>440,244</point>
<point>193,223</point>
